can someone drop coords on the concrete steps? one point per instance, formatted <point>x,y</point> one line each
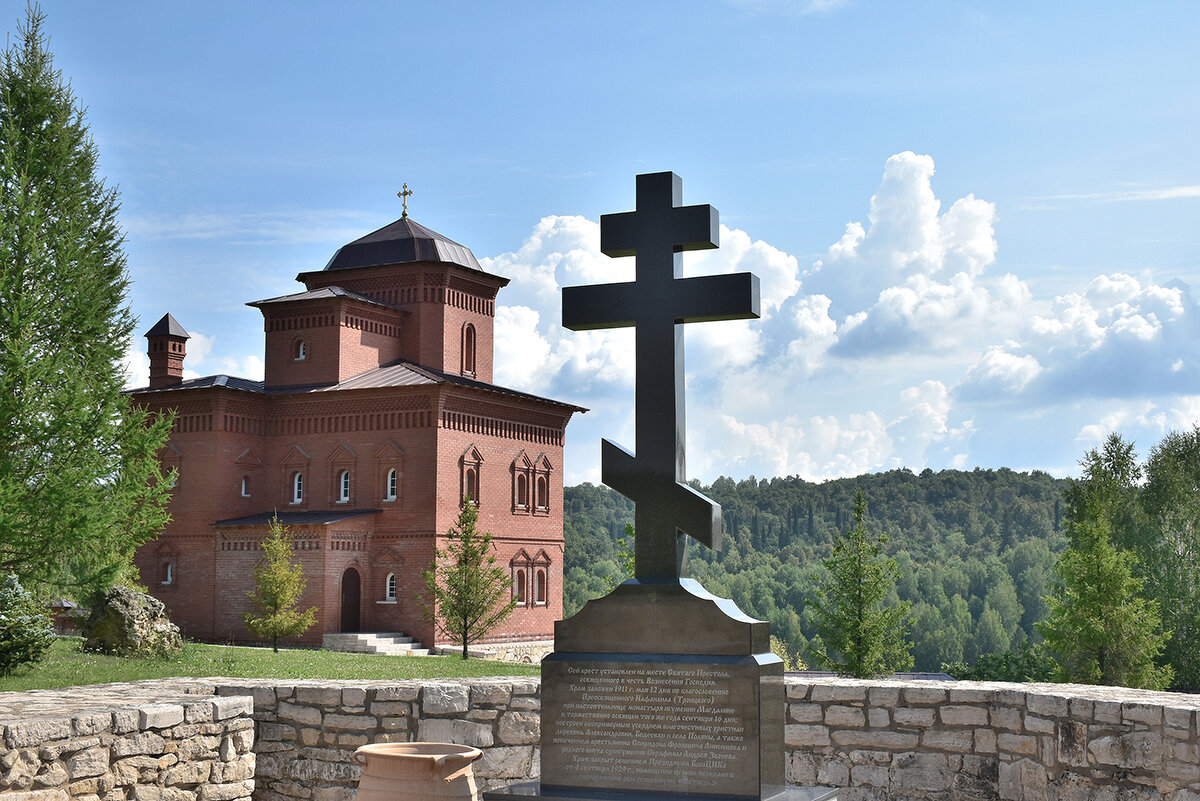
<point>372,643</point>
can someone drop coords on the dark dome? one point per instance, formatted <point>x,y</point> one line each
<point>401,242</point>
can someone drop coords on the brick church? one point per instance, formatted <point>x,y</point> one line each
<point>376,417</point>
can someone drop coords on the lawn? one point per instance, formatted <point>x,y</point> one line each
<point>67,666</point>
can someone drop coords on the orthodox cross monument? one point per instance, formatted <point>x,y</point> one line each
<point>660,690</point>
<point>657,304</point>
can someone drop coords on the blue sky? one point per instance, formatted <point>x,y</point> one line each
<point>975,223</point>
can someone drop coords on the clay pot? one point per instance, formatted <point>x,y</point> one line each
<point>416,771</point>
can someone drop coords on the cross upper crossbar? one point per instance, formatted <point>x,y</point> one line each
<point>656,304</point>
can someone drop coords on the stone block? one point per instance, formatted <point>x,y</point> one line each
<point>838,692</point>
<point>199,747</point>
<point>243,740</point>
<point>1038,725</point>
<point>1050,706</point>
<point>462,732</point>
<point>919,718</point>
<point>391,708</point>
<point>124,721</point>
<point>52,775</point>
<point>399,692</point>
<point>146,742</point>
<point>201,712</point>
<point>958,741</point>
<point>333,794</point>
<point>1107,712</point>
<point>508,762</point>
<point>36,732</point>
<point>483,714</point>
<point>526,686</point>
<point>869,776</point>
<point>1177,722</point>
<point>239,770</point>
<point>915,771</point>
<point>878,718</point>
<point>844,716</point>
<point>91,723</point>
<point>800,768</point>
<point>310,736</point>
<point>357,723</point>
<point>444,699</point>
<point>490,694</point>
<point>272,732</point>
<point>971,695</point>
<point>879,740</point>
<point>1082,709</point>
<point>90,762</point>
<point>919,696</point>
<point>1072,743</point>
<point>833,772</point>
<point>961,715</point>
<point>1007,718</point>
<point>226,751</point>
<point>227,791</point>
<point>304,715</point>
<point>796,691</point>
<point>354,697</point>
<point>884,697</point>
<point>1021,744</point>
<point>805,736</point>
<point>55,794</point>
<point>159,716</point>
<point>227,707</point>
<point>149,792</point>
<point>524,702</point>
<point>319,696</point>
<point>519,728</point>
<point>1136,749</point>
<point>186,773</point>
<point>1149,714</point>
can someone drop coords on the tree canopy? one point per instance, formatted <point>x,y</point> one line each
<point>79,482</point>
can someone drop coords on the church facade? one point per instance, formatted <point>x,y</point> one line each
<point>376,420</point>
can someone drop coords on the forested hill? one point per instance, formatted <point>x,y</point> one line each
<point>974,550</point>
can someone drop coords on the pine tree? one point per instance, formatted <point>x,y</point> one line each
<point>279,582</point>
<point>860,636</point>
<point>1100,628</point>
<point>79,481</point>
<point>468,593</point>
<point>25,630</point>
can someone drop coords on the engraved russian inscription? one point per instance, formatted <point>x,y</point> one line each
<point>649,725</point>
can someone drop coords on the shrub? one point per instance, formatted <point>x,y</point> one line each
<point>25,629</point>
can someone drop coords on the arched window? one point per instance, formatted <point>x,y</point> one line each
<point>300,350</point>
<point>390,587</point>
<point>539,587</point>
<point>519,585</point>
<point>543,493</point>
<point>168,573</point>
<point>297,487</point>
<point>389,491</point>
<point>522,491</point>
<point>472,485</point>
<point>245,486</point>
<point>344,486</point>
<point>468,354</point>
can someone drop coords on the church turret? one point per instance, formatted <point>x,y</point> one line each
<point>167,347</point>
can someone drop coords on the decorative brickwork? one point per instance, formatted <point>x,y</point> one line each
<point>355,440</point>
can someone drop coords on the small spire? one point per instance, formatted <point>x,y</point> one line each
<point>404,195</point>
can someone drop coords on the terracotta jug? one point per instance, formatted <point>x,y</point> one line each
<point>416,771</point>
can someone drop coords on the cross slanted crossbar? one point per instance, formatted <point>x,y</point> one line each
<point>656,304</point>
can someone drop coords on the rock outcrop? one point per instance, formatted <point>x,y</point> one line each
<point>130,623</point>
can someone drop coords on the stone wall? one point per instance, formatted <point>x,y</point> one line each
<point>880,740</point>
<point>136,742</point>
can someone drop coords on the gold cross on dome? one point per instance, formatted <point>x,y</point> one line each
<point>404,195</point>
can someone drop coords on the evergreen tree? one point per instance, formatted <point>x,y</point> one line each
<point>468,593</point>
<point>79,481</point>
<point>279,582</point>
<point>1100,628</point>
<point>861,637</point>
<point>25,630</point>
<point>1170,555</point>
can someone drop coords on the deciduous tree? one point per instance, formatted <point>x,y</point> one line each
<point>860,635</point>
<point>79,481</point>
<point>468,593</point>
<point>279,582</point>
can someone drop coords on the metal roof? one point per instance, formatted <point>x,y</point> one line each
<point>311,518</point>
<point>320,294</point>
<point>168,326</point>
<point>401,242</point>
<point>396,374</point>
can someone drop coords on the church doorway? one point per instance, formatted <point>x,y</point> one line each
<point>351,588</point>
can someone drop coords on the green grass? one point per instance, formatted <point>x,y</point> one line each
<point>67,666</point>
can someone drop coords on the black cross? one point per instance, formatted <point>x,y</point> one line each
<point>655,304</point>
